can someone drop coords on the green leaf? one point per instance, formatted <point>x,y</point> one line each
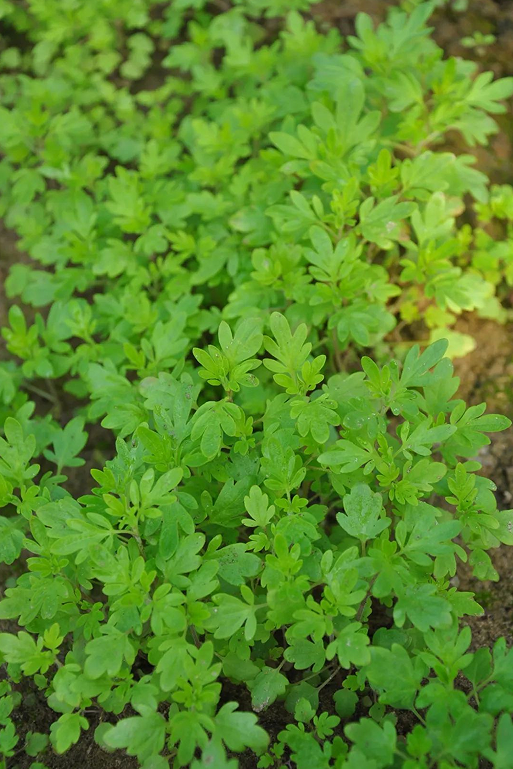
<point>213,754</point>
<point>346,457</point>
<point>172,663</point>
<point>315,417</point>
<point>66,731</point>
<point>380,222</point>
<point>345,702</point>
<point>394,674</point>
<point>24,651</point>
<point>485,94</point>
<point>501,756</point>
<point>351,646</point>
<point>257,506</point>
<point>11,539</point>
<point>362,517</point>
<point>107,653</point>
<point>376,743</point>
<point>416,366</point>
<point>240,730</point>
<point>289,145</point>
<point>232,614</point>
<point>188,730</point>
<point>67,444</point>
<point>35,743</point>
<point>505,530</point>
<point>141,736</point>
<point>236,565</point>
<point>422,607</point>
<point>266,688</point>
<point>305,654</point>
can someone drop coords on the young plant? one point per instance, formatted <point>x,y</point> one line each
<point>217,220</point>
<point>305,552</point>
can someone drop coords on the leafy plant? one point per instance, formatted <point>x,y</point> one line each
<point>219,237</point>
<point>478,40</point>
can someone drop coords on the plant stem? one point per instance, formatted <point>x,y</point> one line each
<point>336,351</point>
<point>330,678</point>
<point>361,607</point>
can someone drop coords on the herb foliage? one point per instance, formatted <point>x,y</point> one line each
<point>210,241</point>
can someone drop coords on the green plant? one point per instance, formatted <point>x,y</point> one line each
<point>305,138</point>
<point>213,249</point>
<point>478,40</point>
<point>214,548</point>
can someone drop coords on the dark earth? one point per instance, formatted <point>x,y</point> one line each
<point>486,375</point>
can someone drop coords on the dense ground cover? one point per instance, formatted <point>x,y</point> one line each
<point>228,539</point>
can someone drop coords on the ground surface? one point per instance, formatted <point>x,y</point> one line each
<point>486,374</point>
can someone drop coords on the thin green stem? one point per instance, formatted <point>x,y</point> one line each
<point>330,678</point>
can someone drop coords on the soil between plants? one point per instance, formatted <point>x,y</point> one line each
<point>486,375</point>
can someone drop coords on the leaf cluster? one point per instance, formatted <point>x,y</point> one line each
<point>223,209</point>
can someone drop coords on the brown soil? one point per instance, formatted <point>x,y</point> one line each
<point>487,375</point>
<point>489,17</point>
<point>34,714</point>
<point>333,13</point>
